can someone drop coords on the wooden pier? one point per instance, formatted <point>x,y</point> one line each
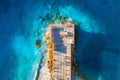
<point>60,40</point>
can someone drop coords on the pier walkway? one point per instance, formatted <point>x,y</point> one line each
<point>62,37</point>
<point>61,54</point>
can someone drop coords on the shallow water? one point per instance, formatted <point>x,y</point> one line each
<point>97,36</point>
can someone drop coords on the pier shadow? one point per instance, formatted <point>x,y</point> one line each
<point>96,56</point>
<point>38,71</point>
<point>89,47</point>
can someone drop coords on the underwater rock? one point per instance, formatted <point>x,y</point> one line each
<point>37,43</point>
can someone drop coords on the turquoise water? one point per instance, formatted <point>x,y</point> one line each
<point>23,22</point>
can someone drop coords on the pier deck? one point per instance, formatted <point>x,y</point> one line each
<point>60,40</point>
<point>62,37</point>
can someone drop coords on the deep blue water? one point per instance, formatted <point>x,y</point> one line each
<point>97,36</point>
